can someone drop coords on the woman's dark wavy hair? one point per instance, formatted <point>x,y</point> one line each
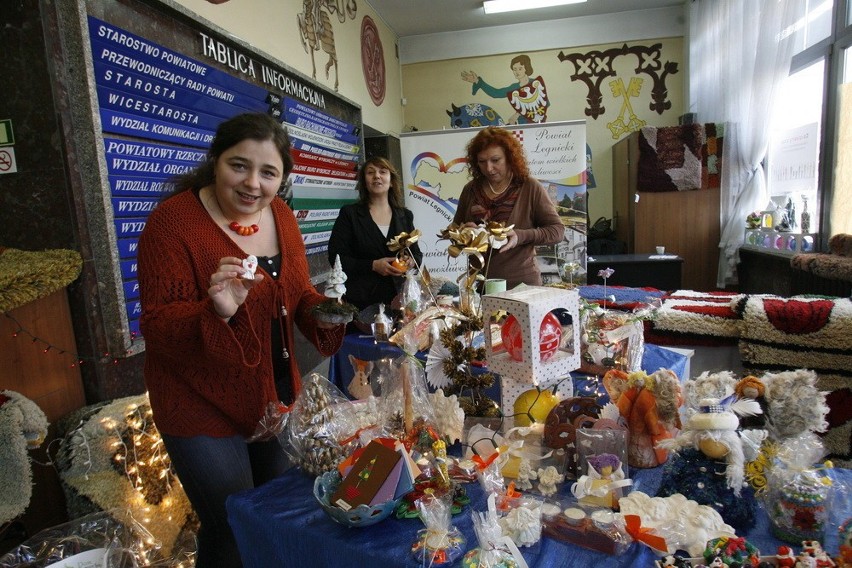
<point>248,126</point>
<point>496,136</point>
<point>395,192</point>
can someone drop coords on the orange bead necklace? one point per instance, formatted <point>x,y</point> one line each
<point>242,230</point>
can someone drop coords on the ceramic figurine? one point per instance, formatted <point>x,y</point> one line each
<point>675,561</point>
<point>449,416</point>
<point>547,480</point>
<point>360,386</point>
<point>823,560</point>
<point>785,558</point>
<point>336,287</point>
<point>250,266</point>
<point>522,525</point>
<point>806,217</point>
<point>525,474</point>
<point>335,310</point>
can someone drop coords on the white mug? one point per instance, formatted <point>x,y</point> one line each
<point>661,250</point>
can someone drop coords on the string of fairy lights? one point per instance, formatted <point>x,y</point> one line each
<point>48,347</point>
<point>141,457</point>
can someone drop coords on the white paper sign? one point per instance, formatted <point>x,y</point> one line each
<point>94,558</point>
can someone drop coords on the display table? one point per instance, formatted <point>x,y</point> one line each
<point>662,271</point>
<point>280,524</point>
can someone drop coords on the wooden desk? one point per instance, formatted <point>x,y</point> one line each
<point>638,270</point>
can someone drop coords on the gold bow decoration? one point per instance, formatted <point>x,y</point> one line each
<point>498,233</point>
<point>404,240</point>
<point>465,240</point>
<point>474,242</point>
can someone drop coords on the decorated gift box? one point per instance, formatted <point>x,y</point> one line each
<point>611,339</point>
<point>532,351</point>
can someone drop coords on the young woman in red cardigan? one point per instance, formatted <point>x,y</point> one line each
<point>220,340</point>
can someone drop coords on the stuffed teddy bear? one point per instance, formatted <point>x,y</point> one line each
<point>23,426</point>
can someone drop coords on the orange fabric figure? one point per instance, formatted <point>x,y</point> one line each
<point>648,404</point>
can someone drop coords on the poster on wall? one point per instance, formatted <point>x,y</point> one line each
<point>435,171</point>
<point>159,110</point>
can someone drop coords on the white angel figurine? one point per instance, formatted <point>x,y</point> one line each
<point>547,480</point>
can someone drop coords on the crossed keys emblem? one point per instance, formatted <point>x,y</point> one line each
<point>620,126</point>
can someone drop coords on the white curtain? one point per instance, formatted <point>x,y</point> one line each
<point>739,53</point>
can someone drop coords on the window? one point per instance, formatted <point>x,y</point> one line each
<point>794,146</point>
<point>821,74</point>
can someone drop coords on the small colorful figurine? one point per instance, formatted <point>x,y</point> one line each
<point>785,558</point>
<point>674,561</point>
<point>602,487</point>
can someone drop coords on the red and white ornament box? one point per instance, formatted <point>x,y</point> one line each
<point>530,305</point>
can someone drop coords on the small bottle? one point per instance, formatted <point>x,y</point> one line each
<point>806,217</point>
<point>381,325</point>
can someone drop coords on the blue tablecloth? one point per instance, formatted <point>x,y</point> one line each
<point>366,348</point>
<point>280,524</point>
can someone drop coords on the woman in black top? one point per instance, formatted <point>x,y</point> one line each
<point>362,231</point>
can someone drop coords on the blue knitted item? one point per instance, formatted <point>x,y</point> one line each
<point>703,480</point>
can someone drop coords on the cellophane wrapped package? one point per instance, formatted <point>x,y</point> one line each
<point>440,543</point>
<point>798,491</point>
<point>494,550</point>
<point>322,427</point>
<point>112,539</point>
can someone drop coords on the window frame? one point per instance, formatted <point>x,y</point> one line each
<point>831,50</point>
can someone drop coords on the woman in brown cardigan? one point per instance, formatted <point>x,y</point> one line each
<point>503,190</point>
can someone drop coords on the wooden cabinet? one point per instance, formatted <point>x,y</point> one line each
<point>685,222</point>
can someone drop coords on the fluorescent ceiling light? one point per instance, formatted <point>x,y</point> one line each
<point>497,6</point>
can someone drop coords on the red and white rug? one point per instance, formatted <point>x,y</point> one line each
<point>688,317</point>
<point>806,333</point>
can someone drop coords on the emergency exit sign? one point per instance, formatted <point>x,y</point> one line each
<point>7,137</point>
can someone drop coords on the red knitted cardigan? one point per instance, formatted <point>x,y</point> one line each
<point>205,376</point>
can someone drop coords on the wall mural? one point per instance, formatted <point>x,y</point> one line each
<point>316,31</point>
<point>593,67</point>
<point>527,96</point>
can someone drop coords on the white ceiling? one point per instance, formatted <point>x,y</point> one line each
<point>419,17</point>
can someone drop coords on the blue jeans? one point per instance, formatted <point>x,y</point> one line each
<point>210,469</point>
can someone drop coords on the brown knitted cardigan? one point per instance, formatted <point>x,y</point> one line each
<point>206,376</point>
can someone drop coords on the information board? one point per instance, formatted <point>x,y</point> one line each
<point>159,108</point>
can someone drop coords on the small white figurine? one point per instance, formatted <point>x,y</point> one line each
<point>449,416</point>
<point>522,525</point>
<point>250,264</point>
<point>336,287</point>
<point>525,474</point>
<point>547,480</point>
